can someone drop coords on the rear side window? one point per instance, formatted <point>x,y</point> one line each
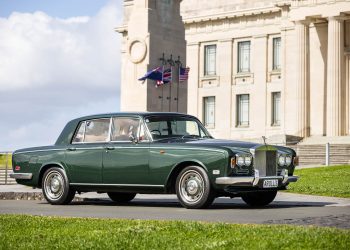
<point>79,137</point>
<point>96,130</point>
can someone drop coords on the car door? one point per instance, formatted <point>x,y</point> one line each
<point>84,155</point>
<point>125,158</point>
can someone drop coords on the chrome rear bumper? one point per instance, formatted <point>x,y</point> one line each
<point>254,181</point>
<point>21,176</point>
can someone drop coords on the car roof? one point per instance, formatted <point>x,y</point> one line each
<point>143,114</point>
<point>68,131</point>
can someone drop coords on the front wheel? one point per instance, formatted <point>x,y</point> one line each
<point>259,199</point>
<point>193,188</point>
<point>56,188</point>
<point>121,197</point>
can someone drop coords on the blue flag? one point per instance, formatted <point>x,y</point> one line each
<point>155,74</point>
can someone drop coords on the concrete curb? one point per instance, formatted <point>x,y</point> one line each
<point>21,196</point>
<point>28,196</point>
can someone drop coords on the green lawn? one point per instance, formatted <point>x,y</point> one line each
<point>326,181</point>
<point>3,161</point>
<point>35,232</point>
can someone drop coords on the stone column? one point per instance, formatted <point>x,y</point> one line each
<point>193,51</point>
<point>302,77</point>
<point>335,88</point>
<point>150,29</point>
<point>347,88</point>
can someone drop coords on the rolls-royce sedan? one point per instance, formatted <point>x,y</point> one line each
<point>123,154</point>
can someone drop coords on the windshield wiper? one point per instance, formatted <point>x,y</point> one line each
<point>189,136</point>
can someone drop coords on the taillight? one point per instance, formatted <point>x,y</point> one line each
<point>17,168</point>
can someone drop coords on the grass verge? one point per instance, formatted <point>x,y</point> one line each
<point>3,161</point>
<point>326,181</point>
<point>35,232</point>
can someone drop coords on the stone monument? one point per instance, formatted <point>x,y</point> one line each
<point>152,30</point>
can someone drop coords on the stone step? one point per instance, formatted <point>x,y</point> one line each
<point>316,154</point>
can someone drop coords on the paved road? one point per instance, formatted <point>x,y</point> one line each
<point>287,208</point>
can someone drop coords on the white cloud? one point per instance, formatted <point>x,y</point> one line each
<point>52,70</point>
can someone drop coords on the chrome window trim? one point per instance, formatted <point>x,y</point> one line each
<point>126,116</point>
<point>85,122</point>
<point>201,127</point>
<point>109,130</point>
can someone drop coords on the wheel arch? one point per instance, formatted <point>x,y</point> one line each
<point>45,167</point>
<point>171,180</point>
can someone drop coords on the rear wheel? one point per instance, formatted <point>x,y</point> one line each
<point>56,188</point>
<point>259,199</point>
<point>193,188</point>
<point>121,197</point>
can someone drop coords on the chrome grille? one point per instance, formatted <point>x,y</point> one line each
<point>265,160</point>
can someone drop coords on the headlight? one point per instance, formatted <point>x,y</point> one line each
<point>288,160</point>
<point>282,160</point>
<point>240,161</point>
<point>247,160</point>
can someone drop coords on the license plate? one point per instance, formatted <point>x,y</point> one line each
<point>270,183</point>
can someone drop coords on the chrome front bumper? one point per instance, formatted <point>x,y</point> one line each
<point>253,181</point>
<point>21,176</point>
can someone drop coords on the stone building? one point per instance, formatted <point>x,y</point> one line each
<point>278,69</point>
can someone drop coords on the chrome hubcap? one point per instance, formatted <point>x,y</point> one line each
<point>54,185</point>
<point>191,186</point>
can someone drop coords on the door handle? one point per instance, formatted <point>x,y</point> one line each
<point>110,148</point>
<point>71,149</point>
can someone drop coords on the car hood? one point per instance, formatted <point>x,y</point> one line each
<point>236,145</point>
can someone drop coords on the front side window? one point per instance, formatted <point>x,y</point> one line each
<point>276,53</point>
<point>209,111</point>
<point>96,130</point>
<point>276,108</point>
<point>166,127</point>
<point>210,60</point>
<point>126,128</point>
<point>244,57</point>
<point>243,110</point>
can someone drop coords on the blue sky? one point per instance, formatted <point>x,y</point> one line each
<point>54,8</point>
<point>58,60</point>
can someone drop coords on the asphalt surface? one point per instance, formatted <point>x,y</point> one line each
<point>286,209</point>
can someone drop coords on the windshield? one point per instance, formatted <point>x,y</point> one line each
<point>175,127</point>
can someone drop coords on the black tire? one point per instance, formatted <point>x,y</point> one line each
<point>55,186</point>
<point>259,199</point>
<point>193,188</point>
<point>121,197</point>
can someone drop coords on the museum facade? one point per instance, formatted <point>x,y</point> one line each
<point>278,69</point>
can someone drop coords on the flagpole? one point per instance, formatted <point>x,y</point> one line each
<point>162,87</point>
<point>178,87</point>
<point>170,83</point>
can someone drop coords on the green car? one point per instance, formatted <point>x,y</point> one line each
<point>123,154</point>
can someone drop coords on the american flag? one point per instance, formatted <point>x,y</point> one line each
<point>183,74</point>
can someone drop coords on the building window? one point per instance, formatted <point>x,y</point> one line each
<point>276,63</point>
<point>243,110</point>
<point>209,111</point>
<point>244,57</point>
<point>210,60</point>
<point>276,108</point>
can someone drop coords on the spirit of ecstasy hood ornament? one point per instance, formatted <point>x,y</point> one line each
<point>264,139</point>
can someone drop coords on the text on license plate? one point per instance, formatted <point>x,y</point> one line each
<point>270,183</point>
